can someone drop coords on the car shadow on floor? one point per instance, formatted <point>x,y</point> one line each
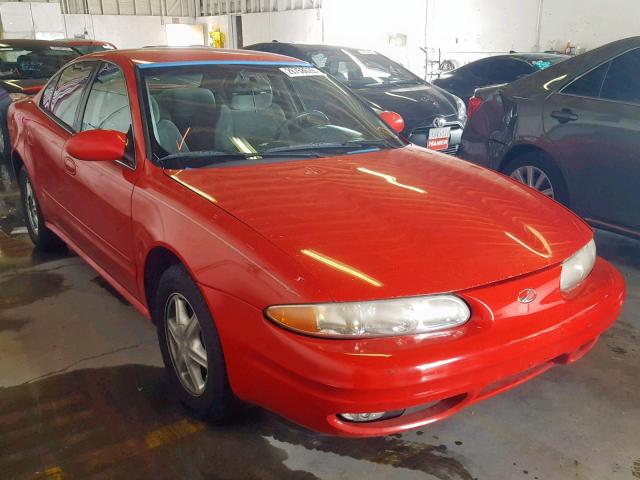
<point>119,422</point>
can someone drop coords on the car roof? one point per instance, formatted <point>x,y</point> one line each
<point>556,76</point>
<point>83,41</point>
<point>532,56</point>
<point>163,55</point>
<point>28,43</point>
<point>307,46</point>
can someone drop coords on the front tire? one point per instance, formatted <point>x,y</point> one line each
<point>190,346</point>
<point>538,171</point>
<point>41,236</point>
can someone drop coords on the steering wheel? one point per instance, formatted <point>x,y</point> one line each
<point>296,122</point>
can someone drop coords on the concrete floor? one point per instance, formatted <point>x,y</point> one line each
<point>82,396</point>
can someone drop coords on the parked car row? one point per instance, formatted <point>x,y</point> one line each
<point>566,127</point>
<point>292,249</point>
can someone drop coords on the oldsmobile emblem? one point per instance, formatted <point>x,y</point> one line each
<point>527,295</point>
<point>439,122</point>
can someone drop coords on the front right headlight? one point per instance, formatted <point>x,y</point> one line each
<point>578,267</point>
<point>378,318</point>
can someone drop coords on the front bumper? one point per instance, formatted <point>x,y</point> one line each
<point>310,380</point>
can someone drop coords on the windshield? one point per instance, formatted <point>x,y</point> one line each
<point>208,114</point>
<point>42,62</point>
<point>361,68</point>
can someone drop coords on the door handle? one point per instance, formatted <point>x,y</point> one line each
<point>70,166</point>
<point>565,115</point>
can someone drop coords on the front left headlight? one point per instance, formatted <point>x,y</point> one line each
<point>379,318</point>
<point>462,111</point>
<point>578,267</point>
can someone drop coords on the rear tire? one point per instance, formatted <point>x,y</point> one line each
<point>192,353</point>
<point>41,236</point>
<point>538,171</point>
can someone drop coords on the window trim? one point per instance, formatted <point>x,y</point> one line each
<point>85,100</point>
<point>68,128</point>
<point>609,61</point>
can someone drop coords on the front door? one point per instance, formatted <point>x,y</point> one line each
<point>98,194</point>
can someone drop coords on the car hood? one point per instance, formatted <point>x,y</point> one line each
<point>29,86</point>
<point>418,104</point>
<point>396,222</point>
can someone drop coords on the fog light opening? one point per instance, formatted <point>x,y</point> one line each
<point>369,416</point>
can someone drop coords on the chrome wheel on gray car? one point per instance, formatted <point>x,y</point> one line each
<point>186,345</point>
<point>534,178</point>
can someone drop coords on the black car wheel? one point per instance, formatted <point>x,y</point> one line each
<point>540,173</point>
<point>41,236</point>
<point>190,346</point>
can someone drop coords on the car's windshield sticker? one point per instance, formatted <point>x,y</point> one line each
<point>302,72</point>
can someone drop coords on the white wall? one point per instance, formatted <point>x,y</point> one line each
<point>588,23</point>
<point>31,20</point>
<point>285,26</point>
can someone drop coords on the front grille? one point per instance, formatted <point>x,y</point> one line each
<point>451,150</point>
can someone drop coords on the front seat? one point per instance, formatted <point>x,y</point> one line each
<point>250,113</point>
<point>192,108</point>
<point>167,134</point>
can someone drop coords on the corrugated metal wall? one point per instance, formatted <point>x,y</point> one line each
<point>183,7</point>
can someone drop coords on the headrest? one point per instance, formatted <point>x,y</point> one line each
<point>250,92</point>
<point>191,96</point>
<point>155,110</point>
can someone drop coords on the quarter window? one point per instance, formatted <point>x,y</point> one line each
<point>47,93</point>
<point>622,82</point>
<point>108,103</point>
<point>68,92</point>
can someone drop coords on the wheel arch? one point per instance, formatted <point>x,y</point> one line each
<point>158,259</point>
<point>522,149</point>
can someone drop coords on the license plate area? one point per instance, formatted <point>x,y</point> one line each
<point>438,138</point>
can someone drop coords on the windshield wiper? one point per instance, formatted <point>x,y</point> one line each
<point>204,158</point>
<point>356,144</point>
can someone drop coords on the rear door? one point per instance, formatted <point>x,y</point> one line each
<point>595,123</point>
<point>47,134</point>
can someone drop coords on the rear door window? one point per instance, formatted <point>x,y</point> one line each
<point>68,92</point>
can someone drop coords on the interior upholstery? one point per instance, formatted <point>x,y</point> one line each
<point>168,134</point>
<point>251,112</point>
<point>192,108</point>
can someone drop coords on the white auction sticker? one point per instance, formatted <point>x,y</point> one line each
<point>302,71</point>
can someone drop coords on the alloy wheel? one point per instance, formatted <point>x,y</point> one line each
<point>534,178</point>
<point>186,344</point>
<point>31,207</point>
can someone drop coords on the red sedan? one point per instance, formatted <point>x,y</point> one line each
<point>292,250</point>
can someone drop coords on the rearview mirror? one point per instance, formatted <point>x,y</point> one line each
<point>393,120</point>
<point>97,145</point>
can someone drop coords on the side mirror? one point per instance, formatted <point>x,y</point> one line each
<point>97,145</point>
<point>393,119</point>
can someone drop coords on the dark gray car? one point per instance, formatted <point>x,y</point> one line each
<point>572,132</point>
